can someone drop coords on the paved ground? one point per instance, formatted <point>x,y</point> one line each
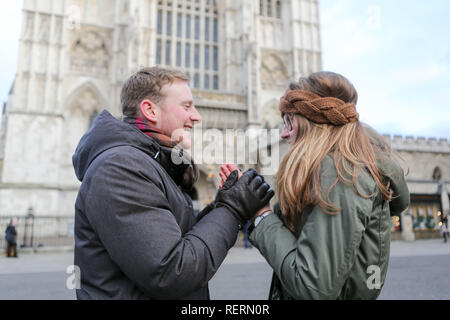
<point>417,270</point>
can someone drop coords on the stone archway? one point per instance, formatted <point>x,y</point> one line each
<point>274,75</point>
<point>82,105</point>
<point>270,115</point>
<point>437,174</point>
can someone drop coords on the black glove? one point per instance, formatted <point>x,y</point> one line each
<point>246,196</point>
<point>232,178</point>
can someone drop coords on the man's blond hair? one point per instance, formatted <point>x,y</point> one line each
<point>146,83</point>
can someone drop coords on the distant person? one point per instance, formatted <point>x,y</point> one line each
<point>338,187</point>
<point>136,235</point>
<point>247,244</point>
<point>444,226</point>
<point>11,239</point>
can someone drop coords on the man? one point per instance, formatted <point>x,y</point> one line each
<point>444,225</point>
<point>136,235</point>
<point>11,237</point>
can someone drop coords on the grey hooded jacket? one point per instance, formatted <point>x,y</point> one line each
<point>136,235</point>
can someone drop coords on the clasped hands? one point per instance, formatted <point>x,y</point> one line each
<point>246,194</point>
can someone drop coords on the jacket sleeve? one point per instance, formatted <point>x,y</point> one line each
<point>400,197</point>
<point>395,174</point>
<point>129,211</point>
<point>316,264</point>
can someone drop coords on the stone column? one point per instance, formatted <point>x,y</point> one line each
<point>444,199</point>
<point>251,61</point>
<point>407,225</point>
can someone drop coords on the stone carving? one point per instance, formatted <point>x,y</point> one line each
<point>58,29</point>
<point>125,7</point>
<point>219,118</point>
<point>145,47</point>
<point>77,118</point>
<point>29,26</point>
<point>85,102</point>
<point>122,53</point>
<point>220,97</point>
<point>135,51</point>
<point>309,62</point>
<point>24,82</point>
<point>26,55</point>
<point>90,51</point>
<point>74,17</point>
<point>270,115</point>
<point>41,58</point>
<point>44,28</point>
<point>273,72</point>
<point>39,96</point>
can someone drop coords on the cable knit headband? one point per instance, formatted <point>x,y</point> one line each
<point>317,109</point>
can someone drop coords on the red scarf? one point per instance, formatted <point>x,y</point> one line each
<point>184,174</point>
<point>150,130</point>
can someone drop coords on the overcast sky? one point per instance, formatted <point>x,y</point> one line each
<point>396,53</point>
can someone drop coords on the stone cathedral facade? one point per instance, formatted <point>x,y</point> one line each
<point>75,54</point>
<point>240,55</point>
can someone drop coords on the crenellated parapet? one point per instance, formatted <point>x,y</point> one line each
<point>418,144</point>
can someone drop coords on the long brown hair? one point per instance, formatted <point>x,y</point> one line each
<point>350,146</point>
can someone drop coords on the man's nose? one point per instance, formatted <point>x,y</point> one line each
<point>195,116</point>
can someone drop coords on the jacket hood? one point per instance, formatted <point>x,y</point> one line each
<point>107,132</point>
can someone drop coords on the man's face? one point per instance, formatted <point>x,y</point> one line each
<point>177,112</point>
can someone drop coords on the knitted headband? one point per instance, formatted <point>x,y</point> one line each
<point>328,110</point>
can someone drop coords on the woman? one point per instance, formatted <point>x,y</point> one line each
<point>337,188</point>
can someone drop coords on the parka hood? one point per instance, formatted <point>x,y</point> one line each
<point>107,132</point>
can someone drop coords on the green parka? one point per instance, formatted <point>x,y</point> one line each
<point>342,256</point>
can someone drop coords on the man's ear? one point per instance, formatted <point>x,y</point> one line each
<point>149,111</point>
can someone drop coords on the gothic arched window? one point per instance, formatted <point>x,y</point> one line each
<point>188,38</point>
<point>270,8</point>
<point>437,174</point>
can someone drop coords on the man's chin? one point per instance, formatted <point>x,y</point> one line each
<point>186,144</point>
<point>182,138</point>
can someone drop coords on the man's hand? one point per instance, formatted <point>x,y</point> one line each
<point>225,171</point>
<point>244,196</point>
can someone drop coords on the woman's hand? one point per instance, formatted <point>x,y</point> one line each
<point>225,171</point>
<point>244,196</point>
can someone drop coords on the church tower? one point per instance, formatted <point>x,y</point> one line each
<point>75,54</point>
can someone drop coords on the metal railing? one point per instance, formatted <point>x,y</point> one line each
<point>40,231</point>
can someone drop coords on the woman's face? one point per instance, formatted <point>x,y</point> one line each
<point>289,132</point>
